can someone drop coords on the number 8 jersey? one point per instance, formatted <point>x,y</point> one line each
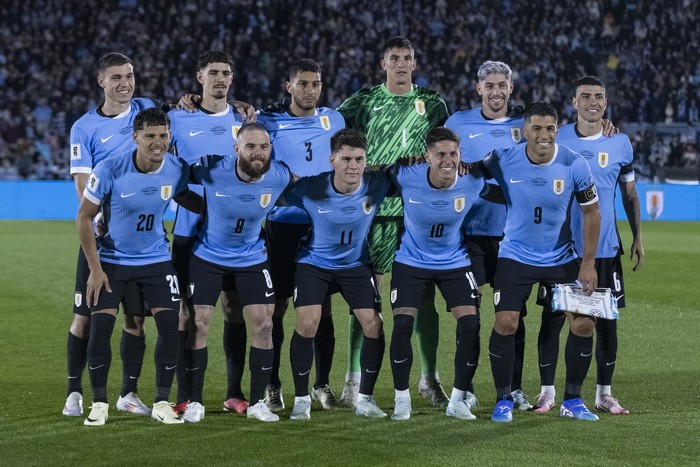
<point>539,198</point>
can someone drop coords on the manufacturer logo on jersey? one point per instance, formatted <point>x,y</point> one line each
<point>459,204</point>
<point>166,191</point>
<point>265,199</point>
<point>234,130</point>
<point>75,152</point>
<point>558,186</point>
<point>655,204</point>
<point>603,159</point>
<point>420,107</point>
<point>326,122</point>
<point>78,299</point>
<point>368,205</point>
<point>195,133</point>
<point>93,183</point>
<point>496,297</point>
<point>516,134</point>
<point>393,295</point>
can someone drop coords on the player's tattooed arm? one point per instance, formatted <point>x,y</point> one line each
<point>630,201</point>
<point>591,232</point>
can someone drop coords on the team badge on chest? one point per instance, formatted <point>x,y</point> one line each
<point>558,186</point>
<point>265,199</point>
<point>603,159</point>
<point>234,131</point>
<point>516,134</point>
<point>420,107</point>
<point>166,192</point>
<point>325,122</point>
<point>459,204</point>
<point>368,205</point>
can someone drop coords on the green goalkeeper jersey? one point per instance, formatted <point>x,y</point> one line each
<point>395,126</point>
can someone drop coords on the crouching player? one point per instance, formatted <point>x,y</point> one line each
<point>435,202</point>
<point>133,190</point>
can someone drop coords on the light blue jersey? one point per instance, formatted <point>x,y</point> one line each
<point>134,204</point>
<point>339,222</point>
<point>195,135</point>
<point>433,218</point>
<point>95,136</point>
<point>610,160</point>
<point>304,144</point>
<point>478,136</point>
<point>539,198</point>
<point>231,230</point>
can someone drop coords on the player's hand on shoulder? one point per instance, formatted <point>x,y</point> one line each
<point>246,110</point>
<point>609,129</point>
<point>189,102</point>
<point>411,160</point>
<point>463,169</point>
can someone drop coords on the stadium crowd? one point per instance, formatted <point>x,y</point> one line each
<point>645,51</point>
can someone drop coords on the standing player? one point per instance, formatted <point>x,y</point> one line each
<point>610,160</point>
<point>540,180</point>
<point>133,190</point>
<point>211,129</point>
<point>230,255</point>
<point>99,133</point>
<point>481,130</point>
<point>341,205</point>
<point>435,202</point>
<point>300,133</point>
<point>395,117</point>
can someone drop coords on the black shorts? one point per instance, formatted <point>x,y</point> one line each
<point>457,286</point>
<point>514,280</point>
<point>253,283</point>
<point>610,276</point>
<point>156,283</point>
<point>356,285</point>
<point>483,251</point>
<point>282,246</point>
<point>132,304</point>
<point>182,254</point>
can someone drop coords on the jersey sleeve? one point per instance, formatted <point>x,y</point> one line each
<point>584,187</point>
<point>439,113</point>
<point>627,171</point>
<point>184,178</point>
<point>293,195</point>
<point>350,110</point>
<point>99,185</point>
<point>489,165</point>
<point>80,152</point>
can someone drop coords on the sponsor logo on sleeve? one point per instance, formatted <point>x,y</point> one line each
<point>76,152</point>
<point>93,183</point>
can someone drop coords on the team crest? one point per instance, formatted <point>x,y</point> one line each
<point>166,191</point>
<point>78,299</point>
<point>603,159</point>
<point>368,205</point>
<point>655,204</point>
<point>393,295</point>
<point>558,186</point>
<point>516,134</point>
<point>265,199</point>
<point>496,297</point>
<point>420,107</point>
<point>459,204</point>
<point>326,122</point>
<point>234,130</point>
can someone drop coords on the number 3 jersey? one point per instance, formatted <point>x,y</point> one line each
<point>231,230</point>
<point>539,199</point>
<point>134,204</point>
<point>433,218</point>
<point>339,222</point>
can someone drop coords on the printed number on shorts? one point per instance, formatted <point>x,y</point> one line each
<point>174,286</point>
<point>616,281</point>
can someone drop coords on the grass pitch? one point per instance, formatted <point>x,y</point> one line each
<point>657,378</point>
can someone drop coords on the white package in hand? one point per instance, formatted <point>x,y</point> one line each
<point>570,297</point>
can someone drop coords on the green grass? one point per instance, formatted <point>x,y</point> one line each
<point>657,378</point>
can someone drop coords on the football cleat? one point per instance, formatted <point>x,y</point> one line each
<point>236,404</point>
<point>273,398</point>
<point>471,401</point>
<point>460,410</point>
<point>326,397</point>
<point>545,402</point>
<point>180,407</point>
<point>132,403</point>
<point>163,412</point>
<point>261,412</point>
<point>348,398</point>
<point>520,401</point>
<point>193,413</point>
<point>367,407</point>
<point>574,408</point>
<point>301,409</point>
<point>503,412</point>
<point>74,405</point>
<point>98,414</point>
<point>402,408</point>
<point>606,403</point>
<point>432,390</point>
